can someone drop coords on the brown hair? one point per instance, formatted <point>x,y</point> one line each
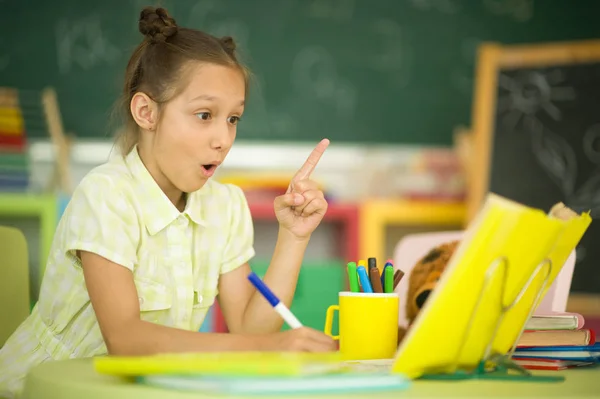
<point>158,61</point>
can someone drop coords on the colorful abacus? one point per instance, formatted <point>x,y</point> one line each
<point>14,159</point>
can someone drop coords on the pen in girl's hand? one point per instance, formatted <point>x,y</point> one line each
<point>279,306</point>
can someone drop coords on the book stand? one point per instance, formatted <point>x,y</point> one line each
<point>497,366</point>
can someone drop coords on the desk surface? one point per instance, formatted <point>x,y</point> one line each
<point>77,379</point>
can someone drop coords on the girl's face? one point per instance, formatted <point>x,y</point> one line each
<point>196,129</point>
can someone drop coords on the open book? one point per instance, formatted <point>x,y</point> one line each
<point>480,304</point>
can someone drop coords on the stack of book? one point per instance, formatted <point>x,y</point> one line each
<point>557,341</point>
<point>14,159</point>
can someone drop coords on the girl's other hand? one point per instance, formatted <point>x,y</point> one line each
<point>303,339</point>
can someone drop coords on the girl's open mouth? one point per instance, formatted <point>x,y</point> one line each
<point>209,169</point>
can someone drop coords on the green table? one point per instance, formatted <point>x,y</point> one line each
<point>74,379</point>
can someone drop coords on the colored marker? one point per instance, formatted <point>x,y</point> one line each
<point>363,264</point>
<point>372,262</point>
<point>387,263</point>
<point>364,279</point>
<point>388,276</point>
<point>398,277</point>
<point>279,306</point>
<point>353,277</point>
<point>375,280</point>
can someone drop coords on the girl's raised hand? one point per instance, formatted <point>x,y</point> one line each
<point>302,207</point>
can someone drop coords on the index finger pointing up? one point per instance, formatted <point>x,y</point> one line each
<point>311,162</point>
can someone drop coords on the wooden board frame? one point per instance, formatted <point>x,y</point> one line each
<point>62,145</point>
<point>492,58</point>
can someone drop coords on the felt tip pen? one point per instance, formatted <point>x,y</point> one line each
<point>375,280</point>
<point>398,277</point>
<point>364,279</point>
<point>388,276</point>
<point>353,277</point>
<point>363,264</point>
<point>372,263</point>
<point>279,306</point>
<point>387,263</point>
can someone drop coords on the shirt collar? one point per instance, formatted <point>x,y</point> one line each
<point>157,210</point>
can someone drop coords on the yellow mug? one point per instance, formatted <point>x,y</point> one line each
<point>368,325</point>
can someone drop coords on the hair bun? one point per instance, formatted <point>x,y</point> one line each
<point>156,24</point>
<point>228,44</point>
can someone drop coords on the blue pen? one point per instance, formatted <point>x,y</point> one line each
<point>279,306</point>
<point>364,279</point>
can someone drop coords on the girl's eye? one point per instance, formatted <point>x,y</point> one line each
<point>233,120</point>
<point>203,115</point>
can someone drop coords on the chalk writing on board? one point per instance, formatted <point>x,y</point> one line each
<point>588,195</point>
<point>519,10</point>
<point>83,43</point>
<point>314,74</point>
<point>558,159</point>
<point>395,55</point>
<point>345,98</point>
<point>270,121</point>
<point>443,6</point>
<point>591,144</point>
<point>313,71</point>
<point>336,10</point>
<point>210,16</point>
<point>531,92</point>
<point>555,156</point>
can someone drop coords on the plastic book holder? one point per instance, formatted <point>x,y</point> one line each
<point>496,366</point>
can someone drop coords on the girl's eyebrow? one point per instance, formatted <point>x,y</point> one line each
<point>208,97</point>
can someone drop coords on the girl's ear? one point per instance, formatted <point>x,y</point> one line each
<point>144,111</point>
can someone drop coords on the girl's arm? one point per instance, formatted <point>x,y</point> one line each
<point>115,301</point>
<point>244,308</point>
<point>299,212</point>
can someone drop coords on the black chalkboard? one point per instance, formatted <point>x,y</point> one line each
<point>546,148</point>
<point>351,70</point>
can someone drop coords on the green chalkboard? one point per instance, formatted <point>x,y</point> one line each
<point>352,70</point>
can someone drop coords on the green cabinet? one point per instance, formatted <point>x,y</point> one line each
<point>318,286</point>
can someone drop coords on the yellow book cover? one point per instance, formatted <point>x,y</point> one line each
<point>222,363</point>
<point>500,252</point>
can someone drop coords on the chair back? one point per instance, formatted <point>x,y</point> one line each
<point>14,281</point>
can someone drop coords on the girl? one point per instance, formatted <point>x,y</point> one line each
<point>148,240</point>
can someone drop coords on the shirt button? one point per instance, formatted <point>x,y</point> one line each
<point>199,298</point>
